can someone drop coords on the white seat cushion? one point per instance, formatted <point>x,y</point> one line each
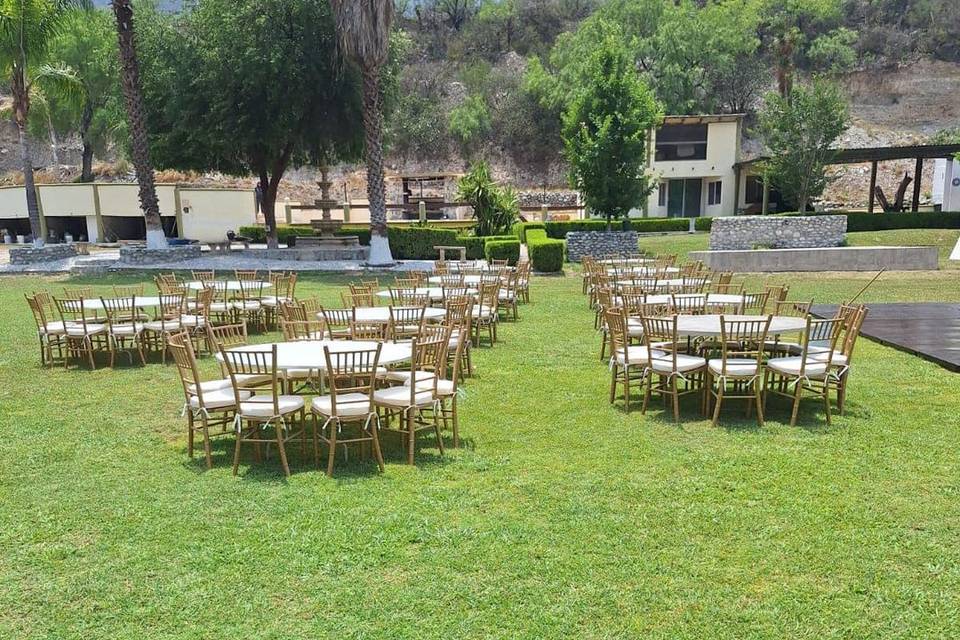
<point>221,307</point>
<point>685,363</point>
<point>211,385</point>
<point>91,330</point>
<point>349,405</point>
<point>736,367</point>
<point>252,379</point>
<point>838,358</point>
<point>262,406</point>
<point>300,374</point>
<point>791,367</point>
<point>54,328</point>
<point>481,312</point>
<point>273,301</point>
<point>127,329</point>
<point>444,387</point>
<point>403,376</point>
<point>166,325</point>
<point>400,397</point>
<point>193,321</point>
<point>637,355</point>
<point>218,399</point>
<point>249,305</point>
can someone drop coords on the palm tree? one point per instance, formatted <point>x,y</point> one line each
<point>27,28</point>
<point>364,30</point>
<point>137,121</point>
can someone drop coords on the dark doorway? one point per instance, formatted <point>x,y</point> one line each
<point>683,198</point>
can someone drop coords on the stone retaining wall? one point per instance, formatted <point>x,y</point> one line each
<point>777,232</point>
<point>601,243</point>
<point>46,253</point>
<point>144,256</point>
<point>822,259</point>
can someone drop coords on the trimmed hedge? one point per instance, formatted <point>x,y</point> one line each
<point>417,243</point>
<point>536,234</point>
<point>475,245</point>
<point>886,221</point>
<point>546,255</point>
<point>520,229</point>
<point>503,250</point>
<point>285,232</point>
<point>560,229</point>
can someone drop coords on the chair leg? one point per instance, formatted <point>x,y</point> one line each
<point>759,402</point>
<point>796,403</point>
<point>826,401</point>
<point>375,436</point>
<point>206,445</point>
<point>455,420</point>
<point>332,443</point>
<point>283,452</point>
<point>236,452</point>
<point>613,384</point>
<point>676,399</point>
<point>316,440</point>
<point>436,428</point>
<point>719,401</point>
<point>411,436</point>
<point>190,431</point>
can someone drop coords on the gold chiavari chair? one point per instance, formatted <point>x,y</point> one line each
<point>50,332</point>
<point>409,297</point>
<point>440,267</point>
<point>509,296</point>
<point>124,328</point>
<point>84,333</point>
<point>405,282</point>
<point>258,414</point>
<point>452,280</point>
<point>369,331</point>
<point>204,276</point>
<point>284,286</point>
<point>166,322</point>
<point>754,303</point>
<point>458,317</point>
<point>364,294</point>
<point>128,290</point>
<point>523,280</point>
<point>169,285</point>
<point>250,304</point>
<point>412,402</point>
<point>406,323</point>
<point>628,362</point>
<point>208,404</point>
<point>738,372</point>
<point>669,364</point>
<point>356,299</point>
<point>729,288</point>
<point>842,358</point>
<point>486,312</point>
<point>421,277</point>
<point>300,330</point>
<point>776,293</point>
<point>689,304</point>
<point>352,381</point>
<point>246,275</point>
<point>338,322</point>
<point>587,264</point>
<point>792,376</point>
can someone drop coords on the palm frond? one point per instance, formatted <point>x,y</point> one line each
<point>60,83</point>
<point>363,27</point>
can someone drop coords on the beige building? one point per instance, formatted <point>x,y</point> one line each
<point>693,159</point>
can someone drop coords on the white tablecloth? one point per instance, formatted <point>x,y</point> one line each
<point>308,354</point>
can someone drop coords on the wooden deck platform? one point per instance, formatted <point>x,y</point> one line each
<point>928,330</point>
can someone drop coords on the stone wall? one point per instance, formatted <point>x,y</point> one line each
<point>144,256</point>
<point>601,243</point>
<point>551,198</point>
<point>47,253</point>
<point>823,259</point>
<point>777,232</point>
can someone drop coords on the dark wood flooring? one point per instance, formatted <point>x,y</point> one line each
<point>928,330</point>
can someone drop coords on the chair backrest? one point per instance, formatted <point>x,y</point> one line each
<point>204,276</point>
<point>128,290</point>
<point>357,299</point>
<point>776,292</point>
<point>427,354</point>
<point>792,308</point>
<point>284,284</point>
<point>419,276</point>
<point>169,284</point>
<point>722,278</point>
<point>74,311</point>
<point>185,360</point>
<point>409,297</point>
<point>489,295</point>
<point>251,289</point>
<point>300,330</point>
<point>248,368</point>
<point>689,304</point>
<point>120,310</point>
<point>454,292</point>
<point>742,340</point>
<point>369,331</point>
<point>292,310</point>
<point>350,372</point>
<point>853,318</point>
<point>440,267</point>
<point>616,321</point>
<point>337,321</point>
<point>406,322</point>
<point>499,263</point>
<point>755,303</point>
<point>38,311</point>
<point>401,282</point>
<point>729,288</point>
<point>247,275</point>
<point>693,284</point>
<point>660,334</point>
<point>78,292</point>
<point>170,309</point>
<point>202,301</point>
<point>822,334</point>
<point>228,336</point>
<point>451,280</point>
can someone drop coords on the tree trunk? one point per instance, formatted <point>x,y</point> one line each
<point>268,206</point>
<point>376,190</point>
<point>86,164</point>
<point>33,207</point>
<point>136,119</point>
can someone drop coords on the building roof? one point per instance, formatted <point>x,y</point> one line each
<point>871,154</point>
<point>703,119</point>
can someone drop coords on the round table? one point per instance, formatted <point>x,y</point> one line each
<point>434,293</point>
<point>467,280</point>
<point>666,283</point>
<point>308,354</point>
<point>229,285</point>
<point>713,299</point>
<point>627,261</point>
<point>708,326</point>
<point>141,302</point>
<point>643,271</point>
<point>382,314</point>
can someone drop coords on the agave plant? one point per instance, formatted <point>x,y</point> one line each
<point>495,208</point>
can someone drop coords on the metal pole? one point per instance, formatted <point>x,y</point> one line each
<point>873,185</point>
<point>917,175</point>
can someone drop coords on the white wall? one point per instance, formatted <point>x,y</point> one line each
<point>210,213</point>
<point>723,144</point>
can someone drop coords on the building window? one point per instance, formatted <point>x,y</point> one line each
<point>714,190</point>
<point>681,142</point>
<point>662,195</point>
<point>753,190</point>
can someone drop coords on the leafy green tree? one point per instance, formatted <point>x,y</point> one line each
<point>605,131</point>
<point>798,131</point>
<point>495,208</point>
<point>226,98</point>
<point>27,29</point>
<point>88,45</point>
<point>469,122</point>
<point>834,51</point>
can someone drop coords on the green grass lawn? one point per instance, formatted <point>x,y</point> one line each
<point>561,517</point>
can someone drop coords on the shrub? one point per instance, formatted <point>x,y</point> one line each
<point>520,229</point>
<point>888,221</point>
<point>495,208</point>
<point>559,229</point>
<point>417,243</point>
<point>474,245</point>
<point>503,250</point>
<point>546,256</point>
<point>536,235</point>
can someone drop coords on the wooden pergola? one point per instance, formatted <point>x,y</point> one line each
<point>875,155</point>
